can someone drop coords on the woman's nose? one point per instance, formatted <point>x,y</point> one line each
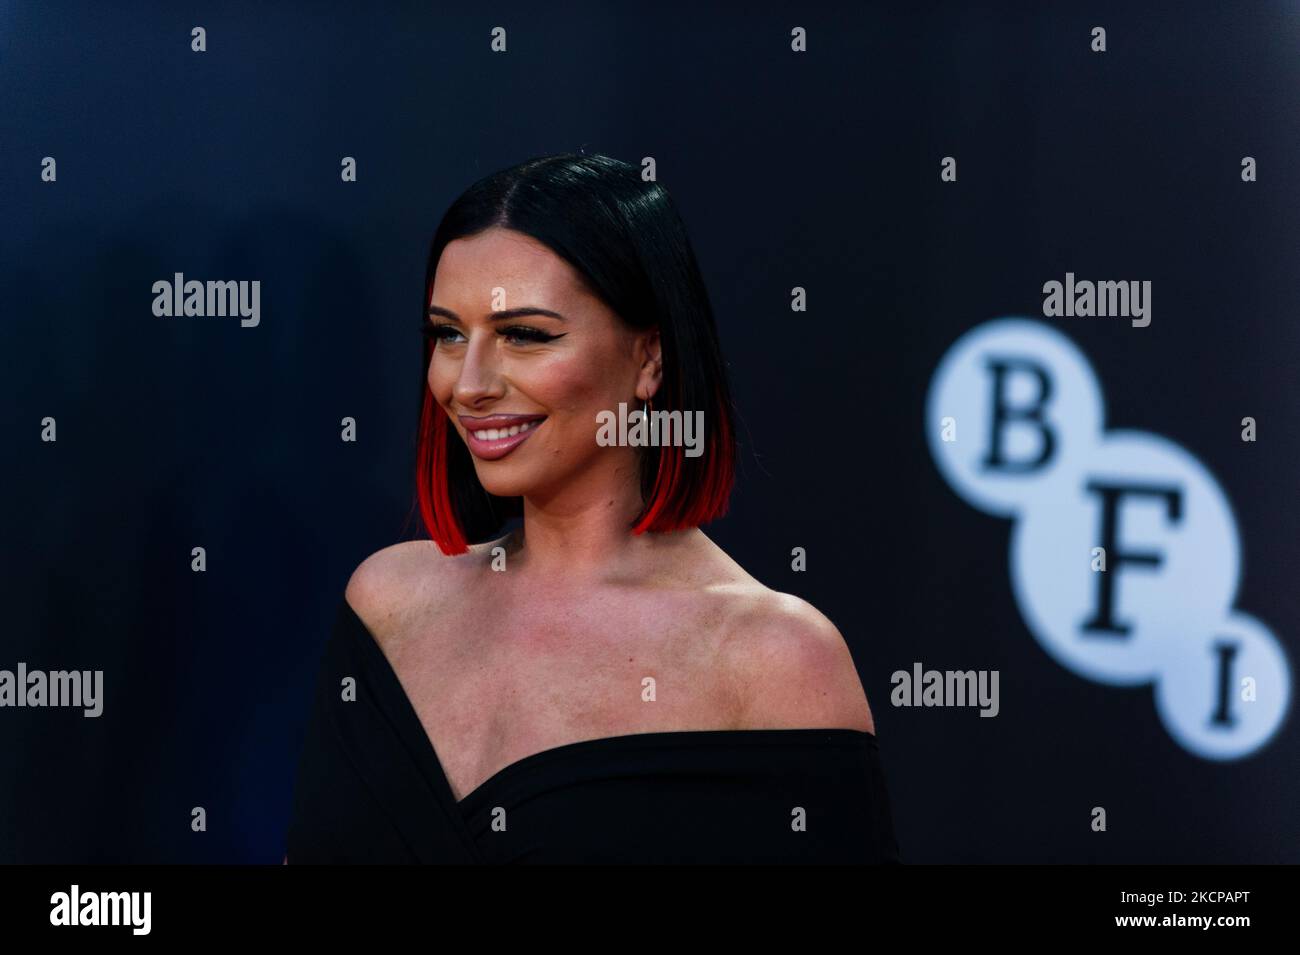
<point>479,375</point>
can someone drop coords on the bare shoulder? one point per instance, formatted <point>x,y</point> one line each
<point>791,666</point>
<point>396,585</point>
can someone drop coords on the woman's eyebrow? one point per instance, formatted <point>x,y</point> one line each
<point>498,316</point>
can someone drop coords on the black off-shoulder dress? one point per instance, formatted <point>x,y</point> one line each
<point>370,789</point>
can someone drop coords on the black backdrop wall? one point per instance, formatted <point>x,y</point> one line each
<point>817,169</point>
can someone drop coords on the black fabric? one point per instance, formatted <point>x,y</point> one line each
<point>370,789</point>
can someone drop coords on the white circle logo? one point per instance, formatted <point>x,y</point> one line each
<point>1125,557</point>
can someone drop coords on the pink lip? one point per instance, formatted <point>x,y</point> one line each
<point>492,450</point>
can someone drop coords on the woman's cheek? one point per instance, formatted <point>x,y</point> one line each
<point>442,382</point>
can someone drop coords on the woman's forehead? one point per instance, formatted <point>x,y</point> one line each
<point>473,267</point>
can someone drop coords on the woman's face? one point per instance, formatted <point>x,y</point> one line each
<point>501,364</point>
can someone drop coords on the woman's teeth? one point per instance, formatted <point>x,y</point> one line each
<point>495,434</point>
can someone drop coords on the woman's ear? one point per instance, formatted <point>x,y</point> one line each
<point>650,353</point>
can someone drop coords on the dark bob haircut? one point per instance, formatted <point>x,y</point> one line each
<point>625,238</point>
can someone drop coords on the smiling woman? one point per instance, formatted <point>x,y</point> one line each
<point>600,682</point>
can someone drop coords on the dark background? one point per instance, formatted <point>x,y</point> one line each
<point>819,170</point>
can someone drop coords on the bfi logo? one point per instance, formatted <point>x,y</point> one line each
<point>1125,558</point>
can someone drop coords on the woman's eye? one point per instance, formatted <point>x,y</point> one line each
<point>522,334</point>
<point>514,334</point>
<point>439,333</point>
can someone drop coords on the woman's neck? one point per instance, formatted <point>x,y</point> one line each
<point>588,546</point>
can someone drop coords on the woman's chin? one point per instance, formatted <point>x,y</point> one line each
<point>500,485</point>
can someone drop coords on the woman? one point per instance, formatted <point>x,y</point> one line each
<point>601,683</point>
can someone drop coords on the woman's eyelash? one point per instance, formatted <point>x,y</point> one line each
<point>433,331</point>
<point>526,332</point>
